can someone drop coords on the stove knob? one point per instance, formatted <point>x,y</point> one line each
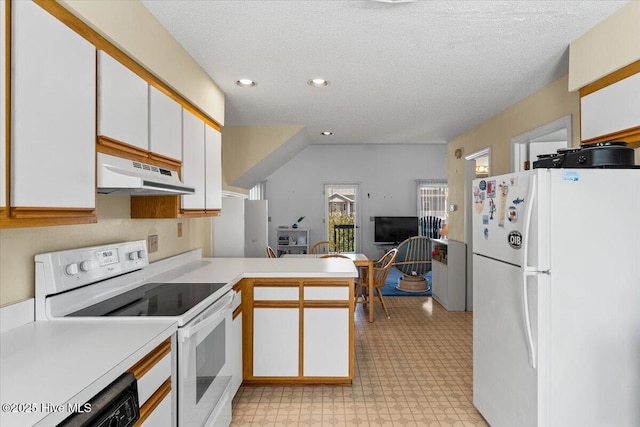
<point>141,254</point>
<point>87,265</point>
<point>71,269</point>
<point>133,255</point>
<point>582,159</point>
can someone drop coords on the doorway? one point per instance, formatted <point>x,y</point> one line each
<point>477,165</point>
<point>341,216</point>
<point>546,139</point>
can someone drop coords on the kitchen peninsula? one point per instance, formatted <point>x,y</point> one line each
<point>298,328</point>
<point>297,317</point>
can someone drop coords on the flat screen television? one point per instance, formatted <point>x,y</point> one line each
<point>391,230</point>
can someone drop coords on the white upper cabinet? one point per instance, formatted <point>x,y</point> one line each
<point>123,107</point>
<point>213,168</point>
<point>193,163</point>
<point>611,109</point>
<point>53,112</point>
<point>165,125</point>
<point>3,115</point>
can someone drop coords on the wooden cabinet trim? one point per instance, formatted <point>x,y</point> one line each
<point>150,360</point>
<point>326,282</point>
<point>121,149</point>
<point>275,304</point>
<point>152,403</point>
<point>249,305</point>
<point>631,136</point>
<point>80,27</point>
<point>237,287</point>
<point>237,312</point>
<point>610,79</point>
<point>326,304</point>
<point>297,381</point>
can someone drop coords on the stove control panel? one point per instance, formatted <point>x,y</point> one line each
<point>64,270</point>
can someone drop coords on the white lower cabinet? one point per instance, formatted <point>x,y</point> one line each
<point>449,275</point>
<point>161,415</point>
<point>326,342</point>
<point>275,342</point>
<point>155,388</point>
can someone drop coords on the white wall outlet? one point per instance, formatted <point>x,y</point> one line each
<point>153,243</point>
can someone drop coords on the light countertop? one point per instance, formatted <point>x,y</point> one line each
<point>61,362</point>
<point>232,270</point>
<point>68,362</point>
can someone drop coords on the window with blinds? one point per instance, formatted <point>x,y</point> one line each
<point>258,191</point>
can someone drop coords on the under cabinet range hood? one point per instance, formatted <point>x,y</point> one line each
<point>122,176</point>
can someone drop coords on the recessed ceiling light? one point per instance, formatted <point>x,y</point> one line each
<point>246,83</point>
<point>318,82</point>
<point>327,133</point>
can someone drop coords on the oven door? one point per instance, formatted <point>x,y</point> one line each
<point>202,366</point>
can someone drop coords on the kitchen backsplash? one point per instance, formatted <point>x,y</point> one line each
<point>19,245</point>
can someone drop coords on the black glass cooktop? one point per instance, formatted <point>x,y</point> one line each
<point>153,299</point>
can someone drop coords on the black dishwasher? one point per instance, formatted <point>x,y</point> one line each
<point>116,405</point>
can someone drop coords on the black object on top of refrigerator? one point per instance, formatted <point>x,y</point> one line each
<point>610,154</point>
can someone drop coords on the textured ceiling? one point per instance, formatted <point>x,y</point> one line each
<point>417,72</point>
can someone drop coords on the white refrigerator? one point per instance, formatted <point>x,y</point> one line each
<point>556,320</point>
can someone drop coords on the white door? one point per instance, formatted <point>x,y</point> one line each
<point>341,217</point>
<point>504,384</point>
<point>255,228</point>
<point>499,209</point>
<point>595,294</point>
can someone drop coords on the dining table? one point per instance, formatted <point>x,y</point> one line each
<point>359,260</point>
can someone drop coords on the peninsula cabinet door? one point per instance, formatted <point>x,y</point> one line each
<point>123,107</point>
<point>326,342</point>
<point>193,160</point>
<point>275,342</point>
<point>53,112</point>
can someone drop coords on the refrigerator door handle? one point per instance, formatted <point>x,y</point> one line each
<point>527,318</point>
<point>528,271</point>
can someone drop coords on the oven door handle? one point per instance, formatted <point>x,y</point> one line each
<point>211,317</point>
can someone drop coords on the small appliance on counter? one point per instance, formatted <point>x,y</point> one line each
<point>610,154</point>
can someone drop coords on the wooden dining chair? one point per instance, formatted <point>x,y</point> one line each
<point>381,270</point>
<point>322,247</point>
<point>271,253</point>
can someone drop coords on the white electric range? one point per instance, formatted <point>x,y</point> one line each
<point>117,282</point>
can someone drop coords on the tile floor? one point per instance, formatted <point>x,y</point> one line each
<point>412,370</point>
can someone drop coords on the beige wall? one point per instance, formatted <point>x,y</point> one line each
<point>130,26</point>
<point>19,245</point>
<point>607,47</point>
<point>244,146</point>
<point>548,104</point>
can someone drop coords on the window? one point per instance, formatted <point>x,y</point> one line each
<point>258,191</point>
<point>432,206</point>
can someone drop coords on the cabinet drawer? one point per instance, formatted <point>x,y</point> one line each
<point>157,411</point>
<point>152,371</point>
<point>333,293</point>
<point>276,293</point>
